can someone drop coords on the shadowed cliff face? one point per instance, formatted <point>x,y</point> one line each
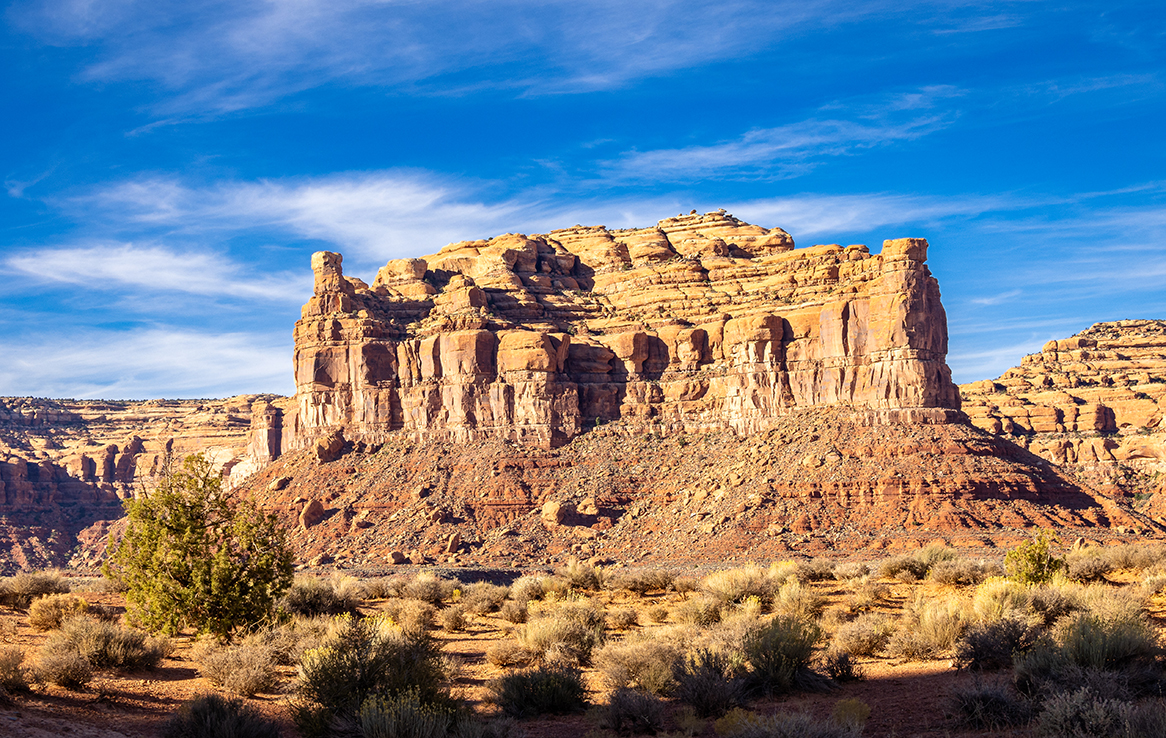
<point>699,323</point>
<point>66,465</point>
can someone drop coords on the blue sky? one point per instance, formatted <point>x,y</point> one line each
<point>170,166</point>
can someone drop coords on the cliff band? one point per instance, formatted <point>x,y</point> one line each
<point>702,322</point>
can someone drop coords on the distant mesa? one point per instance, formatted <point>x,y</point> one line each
<point>696,390</point>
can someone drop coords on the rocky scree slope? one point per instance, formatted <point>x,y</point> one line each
<point>817,481</point>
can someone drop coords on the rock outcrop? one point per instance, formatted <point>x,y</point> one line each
<point>701,322</point>
<point>1093,403</point>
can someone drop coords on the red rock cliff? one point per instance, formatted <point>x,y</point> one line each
<point>701,322</point>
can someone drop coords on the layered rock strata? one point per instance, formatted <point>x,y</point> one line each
<point>1093,402</point>
<point>701,322</point>
<point>66,465</point>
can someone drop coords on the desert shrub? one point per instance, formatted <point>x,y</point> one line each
<point>647,665</point>
<point>734,585</point>
<point>1112,603</point>
<point>641,581</point>
<point>990,646</point>
<point>428,587</point>
<point>48,612</point>
<point>106,645</point>
<point>621,618</point>
<point>989,707</point>
<point>569,633</point>
<point>20,590</point>
<point>1034,562</point>
<point>63,668</point>
<point>1047,604</point>
<point>704,681</point>
<point>914,566</point>
<point>685,585</point>
<point>412,616</point>
<point>1087,565</point>
<point>360,659</point>
<point>868,595</point>
<point>311,597</point>
<point>701,611</point>
<point>581,575</point>
<point>513,611</point>
<point>1088,641</point>
<point>815,570</point>
<point>213,716</point>
<point>851,570</point>
<point>791,725</point>
<point>656,613</point>
<point>932,629</point>
<point>244,669</point>
<point>905,568</point>
<point>403,715</point>
<point>780,653</point>
<point>996,599</point>
<point>750,608</point>
<point>1137,557</point>
<point>633,712</point>
<point>288,641</point>
<point>1114,660</point>
<point>935,553</point>
<point>379,588</point>
<point>796,599</point>
<point>864,636</point>
<point>13,676</point>
<point>482,598</point>
<point>1081,714</point>
<point>196,555</point>
<point>453,619</point>
<point>554,690</point>
<point>963,572</point>
<point>527,588</point>
<point>508,653</point>
<point>1147,720</point>
<point>780,572</point>
<point>841,666</point>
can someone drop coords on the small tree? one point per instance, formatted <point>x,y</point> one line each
<point>1034,562</point>
<point>194,555</point>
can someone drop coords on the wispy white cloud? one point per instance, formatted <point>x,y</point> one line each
<point>120,266</point>
<point>813,215</point>
<point>370,216</point>
<point>154,362</point>
<point>795,148</point>
<point>213,56</point>
<point>973,366</point>
<point>997,299</point>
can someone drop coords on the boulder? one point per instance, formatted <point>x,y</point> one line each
<point>312,513</point>
<point>330,447</point>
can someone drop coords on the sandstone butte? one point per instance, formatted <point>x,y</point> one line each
<point>699,390</point>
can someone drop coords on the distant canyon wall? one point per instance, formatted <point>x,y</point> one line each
<point>66,465</point>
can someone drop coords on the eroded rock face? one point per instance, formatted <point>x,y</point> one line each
<point>702,322</point>
<point>1093,402</point>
